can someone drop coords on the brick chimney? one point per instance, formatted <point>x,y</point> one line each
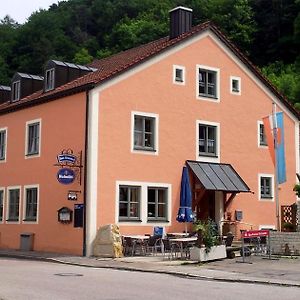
<point>180,21</point>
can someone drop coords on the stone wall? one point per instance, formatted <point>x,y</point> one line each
<point>285,243</point>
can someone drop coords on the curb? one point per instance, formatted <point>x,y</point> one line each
<point>158,271</point>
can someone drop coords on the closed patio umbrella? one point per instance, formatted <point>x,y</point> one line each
<point>185,213</point>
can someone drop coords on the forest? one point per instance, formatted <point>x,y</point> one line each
<point>267,31</point>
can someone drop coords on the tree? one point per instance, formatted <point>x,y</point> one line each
<point>82,57</point>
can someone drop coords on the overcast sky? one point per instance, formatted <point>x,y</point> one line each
<point>20,10</point>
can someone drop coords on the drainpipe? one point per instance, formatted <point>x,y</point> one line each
<point>85,170</point>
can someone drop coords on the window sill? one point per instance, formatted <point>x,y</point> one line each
<point>130,220</point>
<point>12,220</point>
<point>144,149</point>
<point>208,96</point>
<point>32,154</point>
<point>29,220</point>
<point>207,155</point>
<point>157,221</point>
<point>266,199</point>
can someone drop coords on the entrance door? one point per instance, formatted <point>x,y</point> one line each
<point>206,206</point>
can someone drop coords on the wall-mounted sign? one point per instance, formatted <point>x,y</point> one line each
<point>66,159</point>
<point>65,176</point>
<point>64,215</point>
<point>70,168</point>
<point>78,215</point>
<point>73,195</point>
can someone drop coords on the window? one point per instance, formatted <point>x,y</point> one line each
<point>3,136</point>
<point>16,90</point>
<point>13,205</point>
<point>207,140</point>
<point>208,82</point>
<point>266,187</point>
<point>1,204</point>
<point>140,203</point>
<point>145,132</point>
<point>31,201</point>
<point>235,85</point>
<point>157,204</point>
<point>49,84</point>
<point>129,203</point>
<point>178,75</point>
<point>261,133</point>
<point>33,138</point>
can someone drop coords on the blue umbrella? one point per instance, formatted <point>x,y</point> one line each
<point>185,213</point>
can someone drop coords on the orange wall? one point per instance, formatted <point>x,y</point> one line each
<point>152,91</point>
<point>62,127</point>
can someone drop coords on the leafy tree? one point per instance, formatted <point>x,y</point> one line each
<point>274,39</point>
<point>82,57</point>
<point>286,79</point>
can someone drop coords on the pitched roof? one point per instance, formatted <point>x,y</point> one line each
<point>121,62</point>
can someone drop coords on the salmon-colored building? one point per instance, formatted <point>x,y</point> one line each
<point>105,144</point>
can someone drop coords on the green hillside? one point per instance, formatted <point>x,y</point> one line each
<point>268,31</point>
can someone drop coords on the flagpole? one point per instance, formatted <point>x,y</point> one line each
<point>276,169</point>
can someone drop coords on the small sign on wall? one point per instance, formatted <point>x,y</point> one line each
<point>65,176</point>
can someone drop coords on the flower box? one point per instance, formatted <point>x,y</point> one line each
<point>215,252</point>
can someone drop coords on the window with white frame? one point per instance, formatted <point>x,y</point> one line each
<point>31,203</point>
<point>208,82</point>
<point>143,202</point>
<point>16,87</point>
<point>157,199</point>
<point>178,74</point>
<point>207,140</point>
<point>33,138</point>
<point>49,80</point>
<point>129,203</point>
<point>1,204</point>
<point>235,85</point>
<point>261,134</point>
<point>266,187</point>
<point>3,137</point>
<point>13,205</point>
<point>145,132</point>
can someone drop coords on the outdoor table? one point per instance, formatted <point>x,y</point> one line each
<point>140,242</point>
<point>181,242</point>
<point>138,237</point>
<point>177,234</point>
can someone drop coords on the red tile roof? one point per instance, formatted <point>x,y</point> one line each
<point>120,62</point>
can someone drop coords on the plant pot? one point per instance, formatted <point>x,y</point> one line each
<point>215,252</point>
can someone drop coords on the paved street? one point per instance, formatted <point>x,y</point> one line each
<point>24,279</point>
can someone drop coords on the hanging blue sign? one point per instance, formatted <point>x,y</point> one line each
<point>66,158</point>
<point>65,176</point>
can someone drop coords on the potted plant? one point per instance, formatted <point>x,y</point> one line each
<point>288,227</point>
<point>296,189</point>
<point>207,247</point>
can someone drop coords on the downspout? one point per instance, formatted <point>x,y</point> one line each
<point>85,170</point>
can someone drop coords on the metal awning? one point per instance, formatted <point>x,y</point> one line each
<point>218,177</point>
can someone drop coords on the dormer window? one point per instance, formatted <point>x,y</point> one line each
<point>58,73</point>
<point>16,90</point>
<point>49,80</point>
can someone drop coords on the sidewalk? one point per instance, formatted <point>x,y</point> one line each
<point>283,271</point>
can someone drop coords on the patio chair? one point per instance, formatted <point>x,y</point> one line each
<point>170,248</point>
<point>129,246</point>
<point>229,239</point>
<point>153,244</point>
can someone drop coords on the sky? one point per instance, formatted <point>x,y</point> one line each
<point>20,10</point>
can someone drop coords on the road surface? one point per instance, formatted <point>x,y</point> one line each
<point>24,279</point>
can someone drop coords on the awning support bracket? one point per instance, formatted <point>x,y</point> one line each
<point>229,200</point>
